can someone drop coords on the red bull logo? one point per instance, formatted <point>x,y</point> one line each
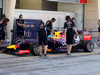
<point>32,25</point>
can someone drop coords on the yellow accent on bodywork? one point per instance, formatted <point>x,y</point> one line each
<point>56,35</point>
<point>11,47</point>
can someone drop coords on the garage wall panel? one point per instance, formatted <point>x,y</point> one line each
<point>75,8</point>
<point>45,15</point>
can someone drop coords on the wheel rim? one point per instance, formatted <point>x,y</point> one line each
<point>36,49</point>
<point>90,46</point>
<point>18,41</point>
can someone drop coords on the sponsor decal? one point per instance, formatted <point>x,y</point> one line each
<point>28,33</point>
<point>86,37</point>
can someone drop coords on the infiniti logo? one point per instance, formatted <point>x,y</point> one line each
<point>63,43</point>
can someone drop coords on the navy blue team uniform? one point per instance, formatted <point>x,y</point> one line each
<point>99,29</point>
<point>20,29</point>
<point>42,37</point>
<point>69,32</point>
<point>49,27</point>
<point>1,31</point>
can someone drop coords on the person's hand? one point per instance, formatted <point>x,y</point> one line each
<point>73,37</point>
<point>77,35</point>
<point>37,38</point>
<point>23,25</point>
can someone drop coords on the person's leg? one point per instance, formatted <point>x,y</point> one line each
<point>45,52</point>
<point>70,48</point>
<point>22,37</point>
<point>67,49</point>
<point>0,43</point>
<point>3,42</point>
<point>18,35</point>
<point>40,49</point>
<point>45,49</point>
<point>40,46</point>
<point>98,35</point>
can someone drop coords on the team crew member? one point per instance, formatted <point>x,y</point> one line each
<point>49,26</point>
<point>2,18</point>
<point>73,20</point>
<point>69,34</point>
<point>1,21</point>
<point>98,30</point>
<point>42,38</point>
<point>4,30</point>
<point>20,27</point>
<point>1,30</point>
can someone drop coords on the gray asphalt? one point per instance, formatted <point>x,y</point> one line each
<point>80,63</point>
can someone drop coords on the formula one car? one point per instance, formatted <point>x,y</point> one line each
<point>56,43</point>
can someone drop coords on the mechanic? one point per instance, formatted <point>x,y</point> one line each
<point>98,30</point>
<point>20,27</point>
<point>4,30</point>
<point>2,18</point>
<point>1,21</point>
<point>73,20</point>
<point>42,38</point>
<point>50,26</point>
<point>1,30</point>
<point>69,33</point>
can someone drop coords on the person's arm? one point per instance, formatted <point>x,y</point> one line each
<point>46,29</point>
<point>75,30</point>
<point>6,28</point>
<point>22,25</point>
<point>19,24</point>
<point>51,28</point>
<point>73,25</point>
<point>17,21</point>
<point>64,28</point>
<point>37,33</point>
<point>98,23</point>
<point>52,31</point>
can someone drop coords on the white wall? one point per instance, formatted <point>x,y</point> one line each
<point>44,15</point>
<point>75,8</point>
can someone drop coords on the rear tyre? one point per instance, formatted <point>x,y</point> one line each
<point>88,46</point>
<point>34,48</point>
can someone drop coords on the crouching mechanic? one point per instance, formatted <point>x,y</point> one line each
<point>42,38</point>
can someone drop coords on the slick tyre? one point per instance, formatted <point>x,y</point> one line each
<point>88,46</point>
